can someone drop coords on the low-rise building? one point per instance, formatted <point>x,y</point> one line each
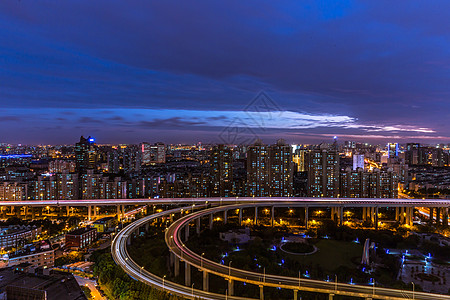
<point>81,238</point>
<point>26,282</point>
<point>38,258</point>
<point>103,224</point>
<point>15,236</point>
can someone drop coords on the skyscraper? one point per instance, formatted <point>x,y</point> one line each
<point>392,150</point>
<point>145,152</point>
<point>299,159</point>
<point>358,161</point>
<point>85,154</point>
<point>152,154</point>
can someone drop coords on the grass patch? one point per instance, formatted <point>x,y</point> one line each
<point>332,254</point>
<point>299,248</point>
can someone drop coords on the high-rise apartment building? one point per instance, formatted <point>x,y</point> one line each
<point>280,170</point>
<point>221,171</point>
<point>13,191</point>
<point>368,184</point>
<point>269,170</point>
<point>131,159</point>
<point>323,173</point>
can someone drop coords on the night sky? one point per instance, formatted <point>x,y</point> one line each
<point>224,71</point>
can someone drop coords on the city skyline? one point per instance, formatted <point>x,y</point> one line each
<point>182,73</point>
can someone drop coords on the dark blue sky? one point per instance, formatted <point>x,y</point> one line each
<point>188,71</point>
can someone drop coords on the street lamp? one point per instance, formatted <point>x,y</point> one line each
<point>335,280</point>
<point>299,278</point>
<point>164,278</point>
<point>140,270</point>
<point>201,260</point>
<point>192,290</point>
<point>229,269</point>
<point>264,276</point>
<point>374,286</point>
<point>414,287</point>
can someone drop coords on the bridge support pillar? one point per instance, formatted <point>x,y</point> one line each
<point>186,232</point>
<point>330,296</point>
<point>341,216</point>
<point>431,215</point>
<point>272,220</point>
<point>256,215</point>
<point>171,259</point>
<point>118,212</point>
<point>225,216</point>
<point>403,215</point>
<point>33,212</point>
<point>67,210</point>
<point>396,214</point>
<point>438,215</point>
<point>376,218</point>
<point>176,266</point>
<point>240,216</point>
<point>89,212</point>
<point>306,216</point>
<point>187,274</point>
<point>230,287</point>
<point>146,227</point>
<point>123,212</point>
<point>445,216</point>
<point>211,221</point>
<point>295,294</point>
<point>95,211</point>
<point>261,292</point>
<point>198,225</point>
<point>205,281</point>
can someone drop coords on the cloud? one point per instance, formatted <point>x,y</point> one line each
<point>170,122</point>
<point>115,118</point>
<point>321,68</point>
<point>9,118</point>
<point>88,120</point>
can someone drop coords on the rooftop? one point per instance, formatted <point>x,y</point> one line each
<point>81,231</point>
<point>58,285</point>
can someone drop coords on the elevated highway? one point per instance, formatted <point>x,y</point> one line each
<point>182,254</point>
<point>176,246</point>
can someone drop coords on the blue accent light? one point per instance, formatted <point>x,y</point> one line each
<point>16,156</point>
<point>91,140</point>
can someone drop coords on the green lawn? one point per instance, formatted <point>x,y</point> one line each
<point>331,254</point>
